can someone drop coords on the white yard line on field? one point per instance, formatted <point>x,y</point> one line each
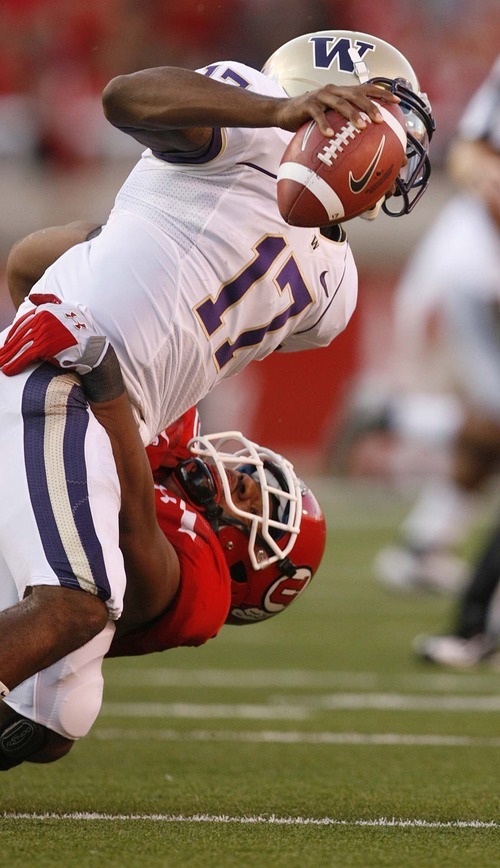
<point>304,678</point>
<point>260,820</point>
<point>216,711</point>
<point>303,707</point>
<point>396,702</point>
<point>278,737</point>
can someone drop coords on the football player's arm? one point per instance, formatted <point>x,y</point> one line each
<point>172,109</point>
<point>197,613</point>
<point>475,166</point>
<point>31,256</point>
<point>151,563</point>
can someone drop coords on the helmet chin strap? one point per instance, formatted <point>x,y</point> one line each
<point>213,514</point>
<point>287,567</point>
<point>374,211</point>
<point>209,507</point>
<point>360,67</point>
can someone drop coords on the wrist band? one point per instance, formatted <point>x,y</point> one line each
<point>105,382</point>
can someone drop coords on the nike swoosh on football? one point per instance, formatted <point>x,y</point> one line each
<point>358,184</point>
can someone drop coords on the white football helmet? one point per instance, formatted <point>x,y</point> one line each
<point>344,58</point>
<point>280,487</point>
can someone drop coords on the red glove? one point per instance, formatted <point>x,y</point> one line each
<point>47,329</point>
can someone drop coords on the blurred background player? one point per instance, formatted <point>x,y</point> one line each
<point>452,286</point>
<point>475,161</point>
<point>475,631</point>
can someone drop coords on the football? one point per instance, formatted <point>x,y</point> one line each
<point>322,181</point>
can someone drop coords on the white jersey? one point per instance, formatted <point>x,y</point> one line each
<point>196,274</point>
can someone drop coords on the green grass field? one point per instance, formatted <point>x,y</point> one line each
<point>313,740</point>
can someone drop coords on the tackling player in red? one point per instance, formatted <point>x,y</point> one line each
<point>243,537</point>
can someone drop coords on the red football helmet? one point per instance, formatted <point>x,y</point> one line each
<point>265,576</point>
<point>259,594</point>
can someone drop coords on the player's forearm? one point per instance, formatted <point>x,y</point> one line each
<point>173,98</point>
<point>151,564</point>
<point>475,166</point>
<point>136,481</point>
<point>175,109</point>
<point>32,255</point>
<point>105,391</point>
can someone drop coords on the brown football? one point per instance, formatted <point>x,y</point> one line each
<point>323,180</point>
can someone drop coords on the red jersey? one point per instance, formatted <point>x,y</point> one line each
<point>201,605</point>
<point>171,446</point>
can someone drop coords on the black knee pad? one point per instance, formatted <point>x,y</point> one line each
<point>19,740</point>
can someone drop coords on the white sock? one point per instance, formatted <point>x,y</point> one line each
<point>432,418</point>
<point>440,517</point>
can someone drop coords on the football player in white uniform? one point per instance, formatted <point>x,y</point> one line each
<point>475,165</point>
<point>458,265</point>
<point>194,275</point>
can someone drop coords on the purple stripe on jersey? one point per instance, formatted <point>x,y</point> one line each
<point>202,155</point>
<point>76,422</point>
<point>76,481</point>
<point>259,169</point>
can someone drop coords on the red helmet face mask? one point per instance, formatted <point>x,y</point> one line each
<point>272,555</point>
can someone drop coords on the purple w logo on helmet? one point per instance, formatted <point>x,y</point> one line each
<point>327,49</point>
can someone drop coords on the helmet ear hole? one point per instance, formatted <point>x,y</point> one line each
<point>238,572</point>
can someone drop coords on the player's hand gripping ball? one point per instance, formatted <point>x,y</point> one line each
<point>323,180</point>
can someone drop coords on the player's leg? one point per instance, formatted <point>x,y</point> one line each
<point>42,718</point>
<point>45,626</point>
<point>473,639</point>
<point>475,604</point>
<point>59,534</point>
<point>424,557</point>
<point>444,511</point>
<point>23,740</point>
<point>20,736</point>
